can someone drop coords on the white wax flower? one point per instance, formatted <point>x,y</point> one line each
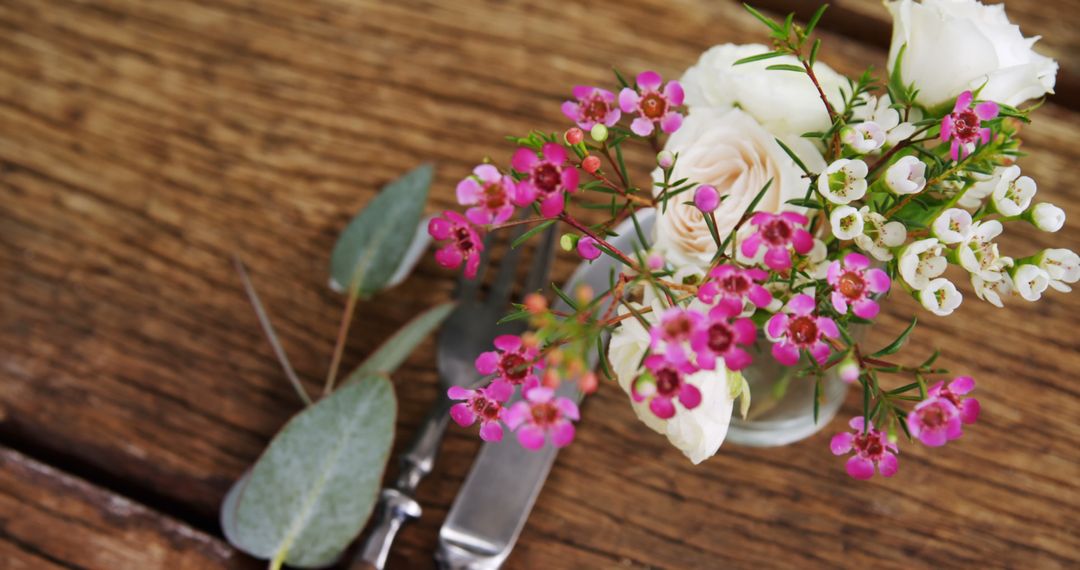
<point>879,237</point>
<point>906,176</point>
<point>1062,266</point>
<point>952,226</point>
<point>979,189</point>
<point>993,291</point>
<point>1030,281</point>
<point>843,181</point>
<point>922,261</point>
<point>957,45</point>
<point>784,103</point>
<point>1012,192</point>
<point>863,138</point>
<point>940,297</point>
<point>879,110</point>
<point>979,254</point>
<point>846,222</point>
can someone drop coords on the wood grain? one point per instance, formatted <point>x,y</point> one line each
<point>53,520</point>
<point>141,144</point>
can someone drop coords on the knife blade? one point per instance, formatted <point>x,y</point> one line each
<point>498,494</point>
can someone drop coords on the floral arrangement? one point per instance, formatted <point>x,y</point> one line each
<point>789,200</point>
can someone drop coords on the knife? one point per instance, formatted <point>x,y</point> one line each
<point>494,502</point>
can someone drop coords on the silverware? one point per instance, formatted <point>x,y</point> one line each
<point>494,502</point>
<point>469,330</point>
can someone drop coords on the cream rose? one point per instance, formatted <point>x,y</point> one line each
<point>731,151</point>
<point>783,102</point>
<point>698,433</point>
<point>956,45</point>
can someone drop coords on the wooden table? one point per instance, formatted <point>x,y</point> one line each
<point>142,143</point>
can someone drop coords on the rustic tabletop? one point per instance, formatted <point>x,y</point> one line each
<point>143,143</point>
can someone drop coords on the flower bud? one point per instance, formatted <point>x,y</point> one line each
<point>568,242</point>
<point>848,370</point>
<point>584,293</point>
<point>706,198</point>
<point>574,136</point>
<point>591,164</point>
<point>551,379</point>
<point>587,249</point>
<point>1046,216</point>
<point>665,159</point>
<point>599,132</point>
<point>588,383</point>
<point>535,303</point>
<point>655,261</point>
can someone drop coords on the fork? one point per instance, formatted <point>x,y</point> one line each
<point>469,330</point>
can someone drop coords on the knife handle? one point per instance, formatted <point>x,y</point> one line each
<point>397,508</point>
<point>397,503</point>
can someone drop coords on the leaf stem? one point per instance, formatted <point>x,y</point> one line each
<point>339,345</point>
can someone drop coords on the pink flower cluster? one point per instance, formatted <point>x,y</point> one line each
<point>539,414</point>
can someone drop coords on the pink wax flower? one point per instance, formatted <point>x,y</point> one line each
<point>540,414</point>
<point>964,125</point>
<point>677,326</point>
<point>853,283</point>
<point>484,404</point>
<point>653,104</point>
<point>776,232</point>
<point>587,249</point>
<point>464,243</point>
<point>547,177</point>
<point>490,194</point>
<point>734,286</point>
<point>593,106</point>
<point>515,362</point>
<point>872,449</point>
<point>798,328</point>
<point>940,417</point>
<point>662,384</point>
<point>720,336</point>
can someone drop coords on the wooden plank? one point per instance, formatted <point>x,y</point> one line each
<point>1056,22</point>
<point>142,143</point>
<point>53,520</point>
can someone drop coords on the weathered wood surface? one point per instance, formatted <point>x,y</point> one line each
<point>49,519</point>
<point>142,143</point>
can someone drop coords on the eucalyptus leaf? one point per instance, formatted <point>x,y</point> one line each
<point>371,248</point>
<point>398,347</point>
<point>315,486</point>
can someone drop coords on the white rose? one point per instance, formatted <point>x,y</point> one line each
<point>785,103</point>
<point>957,45</point>
<point>731,151</point>
<point>698,433</point>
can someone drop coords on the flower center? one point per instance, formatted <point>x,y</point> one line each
<point>653,106</point>
<point>966,125</point>
<point>678,328</point>
<point>803,330</point>
<point>545,414</point>
<point>595,109</point>
<point>485,408</point>
<point>667,382</point>
<point>514,367</point>
<point>494,195</point>
<point>720,338</point>
<point>852,285</point>
<point>464,239</point>
<point>933,417</point>
<point>546,178</point>
<point>777,232</point>
<point>735,284</point>
<point>870,445</point>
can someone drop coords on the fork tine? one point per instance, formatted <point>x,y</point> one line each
<point>466,288</point>
<point>541,266</point>
<point>500,290</point>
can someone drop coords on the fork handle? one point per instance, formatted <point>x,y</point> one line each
<point>397,505</point>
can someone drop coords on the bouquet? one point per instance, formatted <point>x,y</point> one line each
<point>789,200</point>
